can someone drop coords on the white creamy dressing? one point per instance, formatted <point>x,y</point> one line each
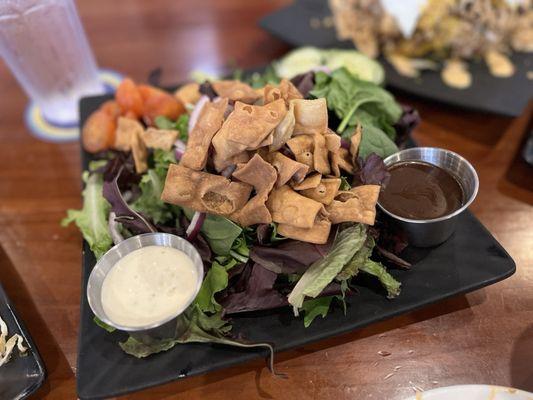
<point>406,13</point>
<point>148,285</point>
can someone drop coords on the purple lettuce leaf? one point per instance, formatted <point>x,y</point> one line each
<point>259,293</point>
<point>393,258</point>
<point>135,222</point>
<point>289,257</point>
<point>408,121</point>
<point>372,171</point>
<point>304,82</point>
<point>207,90</point>
<point>390,239</point>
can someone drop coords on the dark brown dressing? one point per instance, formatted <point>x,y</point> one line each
<point>419,190</point>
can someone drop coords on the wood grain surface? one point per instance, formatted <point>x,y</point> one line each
<point>484,337</point>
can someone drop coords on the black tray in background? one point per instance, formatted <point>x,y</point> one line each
<point>469,260</point>
<point>506,96</point>
<point>22,375</point>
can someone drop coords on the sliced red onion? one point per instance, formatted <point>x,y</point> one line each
<point>114,231</point>
<point>196,224</point>
<point>345,144</point>
<point>228,111</point>
<point>226,172</point>
<point>180,147</point>
<point>195,114</point>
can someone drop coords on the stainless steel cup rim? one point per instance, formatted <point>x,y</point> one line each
<point>469,201</point>
<point>119,249</point>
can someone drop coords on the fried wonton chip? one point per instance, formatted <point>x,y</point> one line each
<point>283,131</point>
<point>271,93</point>
<point>318,234</point>
<point>311,116</point>
<point>287,168</point>
<point>355,141</point>
<point>288,207</point>
<point>236,91</point>
<point>285,90</point>
<point>140,154</point>
<point>268,141</point>
<point>209,122</point>
<point>356,205</point>
<point>258,173</point>
<point>127,128</point>
<point>188,93</point>
<point>247,127</point>
<point>253,212</point>
<point>325,192</point>
<point>342,160</point>
<point>204,192</point>
<point>335,170</point>
<point>333,141</point>
<point>262,176</point>
<point>311,182</point>
<point>221,164</point>
<point>302,147</point>
<point>320,154</point>
<point>159,138</point>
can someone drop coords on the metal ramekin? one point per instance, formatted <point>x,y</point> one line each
<point>432,232</point>
<point>167,328</point>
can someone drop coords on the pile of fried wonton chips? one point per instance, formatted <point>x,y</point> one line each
<point>267,155</point>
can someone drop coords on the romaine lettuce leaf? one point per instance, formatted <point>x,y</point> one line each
<point>323,271</point>
<point>92,218</point>
<point>360,257</point>
<point>378,270</point>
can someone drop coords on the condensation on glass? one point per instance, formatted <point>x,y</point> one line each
<point>44,45</point>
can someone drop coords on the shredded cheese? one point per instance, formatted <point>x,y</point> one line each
<point>6,347</point>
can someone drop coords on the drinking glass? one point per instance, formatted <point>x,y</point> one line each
<point>44,45</point>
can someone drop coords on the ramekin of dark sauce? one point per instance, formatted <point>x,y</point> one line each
<point>428,189</point>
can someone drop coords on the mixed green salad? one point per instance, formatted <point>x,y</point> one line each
<point>253,267</point>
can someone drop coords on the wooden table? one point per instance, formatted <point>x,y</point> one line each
<point>484,337</point>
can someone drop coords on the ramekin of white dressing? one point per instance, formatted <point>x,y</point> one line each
<point>143,284</point>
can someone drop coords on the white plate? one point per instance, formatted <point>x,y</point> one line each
<point>473,392</point>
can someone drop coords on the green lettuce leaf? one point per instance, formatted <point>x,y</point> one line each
<point>201,328</point>
<point>374,140</point>
<point>103,325</point>
<point>378,270</point>
<point>360,257</point>
<point>315,307</point>
<point>92,218</point>
<point>151,185</point>
<point>162,122</point>
<point>345,94</point>
<point>215,280</point>
<point>323,271</point>
<point>181,125</point>
<point>240,250</point>
<point>219,232</point>
<point>359,102</point>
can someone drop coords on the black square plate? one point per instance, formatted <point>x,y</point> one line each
<point>469,260</point>
<point>22,375</point>
<point>506,96</point>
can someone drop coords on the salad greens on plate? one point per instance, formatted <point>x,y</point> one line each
<point>263,257</point>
